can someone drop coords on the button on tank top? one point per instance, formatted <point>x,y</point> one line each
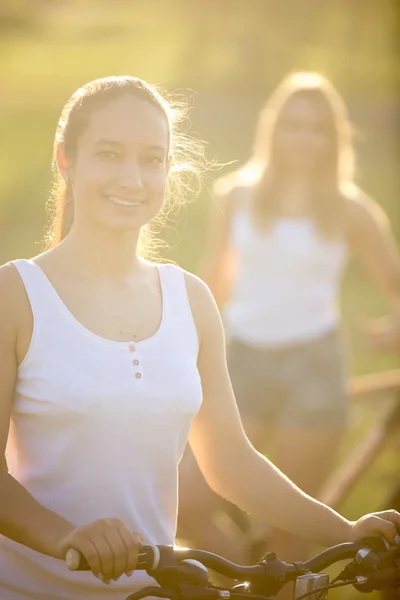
<point>287,282</point>
<point>97,430</point>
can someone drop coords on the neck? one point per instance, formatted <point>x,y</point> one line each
<point>102,251</point>
<point>294,192</point>
<point>298,181</point>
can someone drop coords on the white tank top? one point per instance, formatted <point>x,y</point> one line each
<point>97,430</point>
<point>287,282</point>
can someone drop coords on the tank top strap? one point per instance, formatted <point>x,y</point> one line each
<point>42,296</point>
<point>176,300</point>
<point>243,198</point>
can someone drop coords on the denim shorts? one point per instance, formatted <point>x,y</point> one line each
<point>300,386</point>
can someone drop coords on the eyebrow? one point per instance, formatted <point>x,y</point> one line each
<point>105,142</point>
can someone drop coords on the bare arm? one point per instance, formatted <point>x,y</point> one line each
<point>230,464</point>
<point>22,518</point>
<point>371,238</point>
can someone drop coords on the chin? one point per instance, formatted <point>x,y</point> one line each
<point>126,226</point>
<point>125,221</point>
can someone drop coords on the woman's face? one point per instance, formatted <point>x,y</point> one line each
<point>119,174</point>
<point>301,141</point>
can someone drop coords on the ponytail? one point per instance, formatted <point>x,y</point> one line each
<point>61,209</point>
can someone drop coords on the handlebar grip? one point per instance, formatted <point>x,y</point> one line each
<point>75,560</point>
<point>148,559</point>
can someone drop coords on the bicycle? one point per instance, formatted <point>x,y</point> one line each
<point>182,574</point>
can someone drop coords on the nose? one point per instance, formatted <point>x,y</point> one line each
<point>130,176</point>
<point>305,138</point>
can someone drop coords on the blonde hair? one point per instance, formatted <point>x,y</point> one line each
<point>186,154</point>
<point>261,170</point>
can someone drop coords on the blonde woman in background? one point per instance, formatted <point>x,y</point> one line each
<point>282,233</point>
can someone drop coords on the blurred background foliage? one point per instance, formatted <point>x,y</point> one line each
<point>227,55</point>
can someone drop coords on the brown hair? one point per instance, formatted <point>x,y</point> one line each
<point>186,154</point>
<point>333,178</point>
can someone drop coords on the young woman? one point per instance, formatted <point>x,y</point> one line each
<point>286,224</point>
<point>107,360</point>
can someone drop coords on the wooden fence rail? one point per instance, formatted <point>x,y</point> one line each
<point>374,383</point>
<point>345,478</point>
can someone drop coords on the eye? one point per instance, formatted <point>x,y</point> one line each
<point>154,160</point>
<point>107,154</point>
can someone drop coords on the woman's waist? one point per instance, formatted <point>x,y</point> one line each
<point>271,311</point>
<point>283,295</point>
<point>269,329</point>
<point>147,505</point>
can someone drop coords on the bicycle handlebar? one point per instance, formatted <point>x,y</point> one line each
<point>153,557</point>
<point>175,568</point>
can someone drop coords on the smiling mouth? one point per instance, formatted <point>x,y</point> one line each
<point>122,202</point>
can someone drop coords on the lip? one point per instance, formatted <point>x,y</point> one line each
<point>123,201</point>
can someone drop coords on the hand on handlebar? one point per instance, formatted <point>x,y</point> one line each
<point>109,548</point>
<point>380,524</point>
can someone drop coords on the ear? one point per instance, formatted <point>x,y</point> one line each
<point>61,160</point>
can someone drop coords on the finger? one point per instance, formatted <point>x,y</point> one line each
<point>119,551</point>
<point>89,551</point>
<point>386,528</point>
<point>132,543</point>
<point>391,515</point>
<point>106,557</point>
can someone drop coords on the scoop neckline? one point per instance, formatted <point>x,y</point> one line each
<point>95,336</point>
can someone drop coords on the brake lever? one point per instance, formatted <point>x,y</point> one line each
<point>369,563</point>
<point>378,580</point>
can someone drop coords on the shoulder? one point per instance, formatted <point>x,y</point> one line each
<point>11,285</point>
<point>359,204</point>
<point>232,192</point>
<point>239,196</point>
<point>203,305</point>
<point>14,305</point>
<point>362,213</point>
<point>197,289</point>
